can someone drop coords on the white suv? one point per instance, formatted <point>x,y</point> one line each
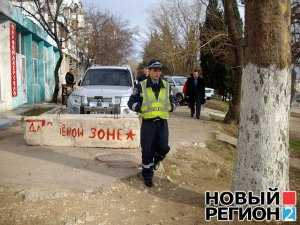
<point>103,90</point>
<point>177,83</point>
<point>209,93</point>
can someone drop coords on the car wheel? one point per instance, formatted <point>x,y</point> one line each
<point>179,98</point>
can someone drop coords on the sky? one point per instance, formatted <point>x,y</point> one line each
<point>136,12</point>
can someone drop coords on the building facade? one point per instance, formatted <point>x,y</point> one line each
<point>27,60</point>
<point>73,17</point>
<point>73,62</point>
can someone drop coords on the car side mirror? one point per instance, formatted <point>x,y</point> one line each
<point>79,82</point>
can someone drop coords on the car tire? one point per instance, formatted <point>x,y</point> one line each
<point>179,98</point>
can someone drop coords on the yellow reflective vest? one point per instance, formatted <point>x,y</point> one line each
<point>153,107</point>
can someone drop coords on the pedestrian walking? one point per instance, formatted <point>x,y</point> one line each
<point>151,98</point>
<point>144,75</point>
<point>195,92</point>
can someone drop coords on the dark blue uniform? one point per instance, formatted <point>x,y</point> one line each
<point>154,131</point>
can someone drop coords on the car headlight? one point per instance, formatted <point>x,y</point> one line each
<point>118,100</point>
<point>124,101</point>
<point>75,100</point>
<point>84,100</point>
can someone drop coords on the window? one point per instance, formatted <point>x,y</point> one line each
<point>114,77</point>
<point>46,66</point>
<point>35,71</point>
<point>180,81</point>
<point>34,50</point>
<point>19,43</point>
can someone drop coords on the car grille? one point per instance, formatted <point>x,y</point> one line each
<point>100,101</point>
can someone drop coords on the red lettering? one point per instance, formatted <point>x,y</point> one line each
<point>93,130</point>
<point>69,131</point>
<point>74,132</point>
<point>32,128</point>
<point>119,134</point>
<point>43,122</point>
<point>63,130</point>
<point>130,135</point>
<point>38,128</point>
<point>80,132</point>
<point>101,134</point>
<point>112,134</point>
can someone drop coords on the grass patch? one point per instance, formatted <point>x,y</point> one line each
<point>36,111</point>
<point>217,105</point>
<point>231,129</point>
<point>295,145</point>
<point>226,151</point>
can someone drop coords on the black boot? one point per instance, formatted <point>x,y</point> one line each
<point>148,176</point>
<point>148,183</point>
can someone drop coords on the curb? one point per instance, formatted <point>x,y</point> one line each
<point>6,122</point>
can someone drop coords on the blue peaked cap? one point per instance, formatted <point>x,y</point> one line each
<point>154,63</point>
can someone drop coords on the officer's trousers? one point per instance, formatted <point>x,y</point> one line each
<point>154,143</point>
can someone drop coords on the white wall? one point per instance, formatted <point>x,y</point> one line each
<point>5,74</point>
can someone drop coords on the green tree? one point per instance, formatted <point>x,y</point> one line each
<point>215,53</point>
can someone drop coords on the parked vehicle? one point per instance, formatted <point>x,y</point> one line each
<point>209,92</point>
<point>177,83</point>
<point>103,90</point>
<point>297,98</point>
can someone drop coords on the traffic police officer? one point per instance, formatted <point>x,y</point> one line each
<point>151,98</point>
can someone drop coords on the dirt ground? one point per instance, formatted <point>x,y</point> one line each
<point>196,163</point>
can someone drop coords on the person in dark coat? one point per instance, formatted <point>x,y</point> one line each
<point>144,75</point>
<point>69,78</point>
<point>195,92</point>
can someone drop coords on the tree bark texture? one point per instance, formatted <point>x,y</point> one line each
<point>235,35</point>
<point>56,76</point>
<point>263,142</point>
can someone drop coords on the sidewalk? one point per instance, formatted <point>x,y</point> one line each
<point>295,112</point>
<point>8,118</point>
<point>6,122</point>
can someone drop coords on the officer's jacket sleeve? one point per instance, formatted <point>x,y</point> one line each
<point>135,101</point>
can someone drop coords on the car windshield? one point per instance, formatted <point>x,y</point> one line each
<point>114,77</point>
<point>179,81</point>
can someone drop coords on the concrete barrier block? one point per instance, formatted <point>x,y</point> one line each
<point>82,131</point>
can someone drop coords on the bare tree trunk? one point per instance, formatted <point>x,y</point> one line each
<point>235,35</point>
<point>262,157</point>
<point>56,77</point>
